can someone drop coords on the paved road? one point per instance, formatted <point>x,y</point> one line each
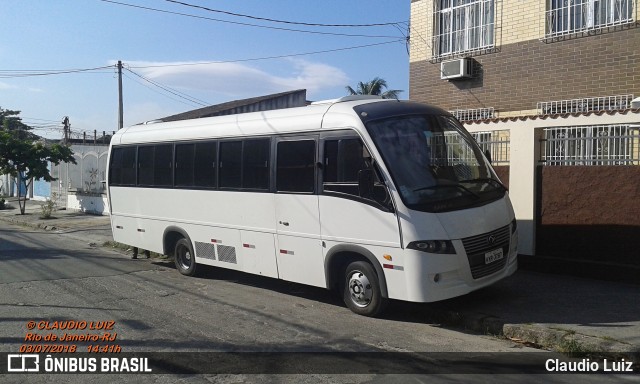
<point>49,277</point>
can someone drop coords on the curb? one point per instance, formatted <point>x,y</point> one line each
<point>540,336</point>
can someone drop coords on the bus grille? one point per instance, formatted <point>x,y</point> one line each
<point>477,246</point>
<point>227,254</point>
<point>205,250</point>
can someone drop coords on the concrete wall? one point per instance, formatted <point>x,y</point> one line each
<point>589,213</point>
<point>90,203</point>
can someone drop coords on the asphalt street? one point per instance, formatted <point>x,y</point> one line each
<point>51,277</point>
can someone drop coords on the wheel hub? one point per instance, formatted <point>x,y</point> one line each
<point>360,289</point>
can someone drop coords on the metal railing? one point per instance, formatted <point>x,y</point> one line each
<point>498,144</point>
<point>591,145</point>
<point>568,17</point>
<point>587,104</point>
<point>474,114</point>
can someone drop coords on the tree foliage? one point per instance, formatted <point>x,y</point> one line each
<point>375,87</point>
<point>25,158</point>
<point>9,121</point>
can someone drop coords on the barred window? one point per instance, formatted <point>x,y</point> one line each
<point>498,143</point>
<point>463,26</point>
<point>566,17</point>
<point>592,145</point>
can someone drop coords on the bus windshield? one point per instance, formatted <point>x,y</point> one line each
<point>436,165</point>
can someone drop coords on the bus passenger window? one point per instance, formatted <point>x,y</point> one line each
<point>296,166</point>
<point>184,165</point>
<point>204,172</point>
<point>255,164</point>
<point>145,165</point>
<point>230,164</point>
<point>123,166</point>
<point>162,165</point>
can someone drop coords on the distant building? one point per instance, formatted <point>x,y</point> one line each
<point>291,99</point>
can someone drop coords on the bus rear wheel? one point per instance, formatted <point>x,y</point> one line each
<point>361,289</point>
<point>184,257</point>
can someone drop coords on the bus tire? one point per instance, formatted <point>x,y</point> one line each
<point>361,289</point>
<point>185,258</point>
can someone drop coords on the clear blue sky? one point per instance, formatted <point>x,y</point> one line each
<point>44,35</point>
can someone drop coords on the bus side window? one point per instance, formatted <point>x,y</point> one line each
<point>295,170</point>
<point>230,166</point>
<point>343,160</point>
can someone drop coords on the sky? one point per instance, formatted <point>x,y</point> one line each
<point>178,56</point>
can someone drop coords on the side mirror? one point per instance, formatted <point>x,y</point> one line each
<point>487,154</point>
<point>365,183</point>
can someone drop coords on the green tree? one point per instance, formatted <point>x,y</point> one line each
<point>9,121</point>
<point>375,87</point>
<point>25,158</point>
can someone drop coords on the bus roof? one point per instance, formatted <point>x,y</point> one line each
<point>329,114</point>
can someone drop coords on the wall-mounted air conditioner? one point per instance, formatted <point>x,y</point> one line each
<point>456,69</point>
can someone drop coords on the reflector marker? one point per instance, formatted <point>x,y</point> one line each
<point>140,230</point>
<point>285,252</point>
<point>396,267</point>
<point>119,227</point>
<point>216,241</point>
<point>249,246</point>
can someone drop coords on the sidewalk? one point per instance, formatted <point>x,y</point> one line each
<point>563,313</point>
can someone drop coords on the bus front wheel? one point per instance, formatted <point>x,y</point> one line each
<point>185,258</point>
<point>361,289</point>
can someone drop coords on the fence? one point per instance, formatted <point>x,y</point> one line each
<point>591,145</point>
<point>497,143</point>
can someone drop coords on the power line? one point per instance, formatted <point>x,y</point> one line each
<point>190,103</point>
<point>12,73</point>
<point>268,57</point>
<point>175,92</point>
<point>247,24</point>
<point>281,21</point>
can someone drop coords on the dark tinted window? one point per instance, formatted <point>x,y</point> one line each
<point>163,165</point>
<point>343,161</point>
<point>230,164</point>
<point>122,169</point>
<point>255,164</point>
<point>296,166</point>
<point>184,165</point>
<point>145,165</point>
<point>205,165</point>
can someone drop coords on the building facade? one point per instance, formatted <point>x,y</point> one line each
<point>545,85</point>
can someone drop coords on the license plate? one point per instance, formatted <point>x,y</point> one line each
<point>492,256</point>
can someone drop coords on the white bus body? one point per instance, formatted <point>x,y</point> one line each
<point>319,195</point>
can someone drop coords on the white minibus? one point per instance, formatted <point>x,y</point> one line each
<point>376,199</point>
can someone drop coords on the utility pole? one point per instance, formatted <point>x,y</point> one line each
<point>120,111</point>
<point>67,130</point>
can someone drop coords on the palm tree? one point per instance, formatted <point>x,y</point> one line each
<point>374,87</point>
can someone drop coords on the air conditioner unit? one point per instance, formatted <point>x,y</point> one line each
<point>456,69</point>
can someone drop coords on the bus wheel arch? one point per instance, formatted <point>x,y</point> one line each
<point>344,259</point>
<point>178,245</point>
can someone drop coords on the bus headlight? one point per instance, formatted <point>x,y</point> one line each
<point>433,246</point>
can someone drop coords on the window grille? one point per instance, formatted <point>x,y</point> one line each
<point>592,145</point>
<point>566,17</point>
<point>605,103</point>
<point>463,26</point>
<point>497,143</point>
<point>473,114</point>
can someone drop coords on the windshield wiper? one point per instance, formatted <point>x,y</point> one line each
<point>486,180</point>
<point>438,186</point>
